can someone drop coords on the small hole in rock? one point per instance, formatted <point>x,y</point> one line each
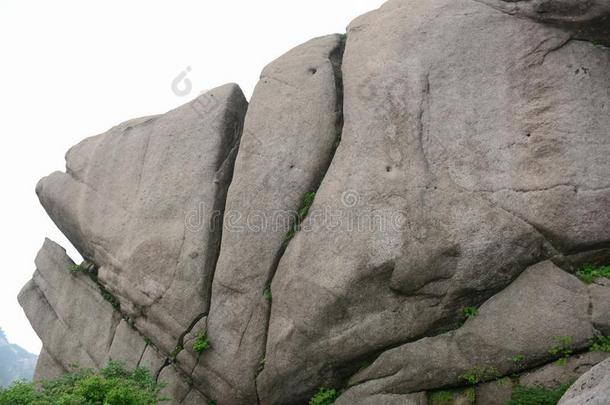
<point>312,71</point>
<point>528,135</point>
<point>388,169</point>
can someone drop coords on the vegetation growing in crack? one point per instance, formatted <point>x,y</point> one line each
<point>78,268</point>
<point>518,359</point>
<point>92,273</point>
<point>470,312</point>
<point>479,374</point>
<point>589,274</point>
<point>267,294</point>
<point>324,396</point>
<point>446,397</point>
<point>562,349</point>
<point>202,343</point>
<point>600,344</point>
<point>111,385</point>
<point>306,204</point>
<point>174,354</point>
<point>537,395</point>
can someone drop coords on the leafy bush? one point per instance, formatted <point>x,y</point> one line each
<point>470,312</point>
<point>562,349</point>
<point>537,395</point>
<point>113,385</point>
<point>325,396</point>
<point>202,343</point>
<point>479,374</point>
<point>77,268</point>
<point>590,274</point>
<point>600,344</point>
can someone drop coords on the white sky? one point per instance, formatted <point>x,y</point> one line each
<point>72,69</point>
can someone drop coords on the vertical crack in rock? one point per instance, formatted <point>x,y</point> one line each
<point>291,131</point>
<point>336,58</point>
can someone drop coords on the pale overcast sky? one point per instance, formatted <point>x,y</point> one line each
<point>72,69</point>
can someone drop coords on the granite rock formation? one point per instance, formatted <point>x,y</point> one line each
<point>441,155</point>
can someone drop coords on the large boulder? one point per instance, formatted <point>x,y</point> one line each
<point>444,154</point>
<point>143,202</point>
<point>593,388</point>
<point>545,309</point>
<point>291,128</point>
<point>475,144</point>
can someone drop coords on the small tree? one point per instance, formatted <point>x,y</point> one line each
<point>113,385</point>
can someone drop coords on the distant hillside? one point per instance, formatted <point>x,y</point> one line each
<point>15,362</point>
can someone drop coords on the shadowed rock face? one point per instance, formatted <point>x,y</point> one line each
<point>457,150</point>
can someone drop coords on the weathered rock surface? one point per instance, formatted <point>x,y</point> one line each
<point>544,309</point>
<point>593,388</point>
<point>143,202</point>
<point>289,135</point>
<point>472,169</point>
<point>472,150</point>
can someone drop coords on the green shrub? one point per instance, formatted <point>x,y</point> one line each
<point>479,374</point>
<point>518,359</point>
<point>600,344</point>
<point>202,343</point>
<point>114,385</point>
<point>537,395</point>
<point>441,398</point>
<point>77,268</point>
<point>470,312</point>
<point>589,274</point>
<point>267,294</point>
<point>325,396</point>
<point>562,349</point>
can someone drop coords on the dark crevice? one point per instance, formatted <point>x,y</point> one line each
<point>336,60</point>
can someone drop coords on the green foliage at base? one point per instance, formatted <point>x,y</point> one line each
<point>202,343</point>
<point>562,349</point>
<point>77,268</point>
<point>113,385</point>
<point>325,396</point>
<point>445,397</point>
<point>589,274</point>
<point>479,374</point>
<point>600,344</point>
<point>470,312</point>
<point>537,395</point>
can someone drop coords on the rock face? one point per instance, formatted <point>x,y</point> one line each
<point>593,388</point>
<point>15,362</point>
<point>444,154</point>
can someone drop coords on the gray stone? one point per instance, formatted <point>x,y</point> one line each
<point>494,392</point>
<point>479,155</point>
<point>527,319</point>
<point>175,387</point>
<point>556,374</point>
<point>593,388</point>
<point>68,311</point>
<point>127,346</point>
<point>152,360</point>
<point>47,367</point>
<point>385,399</point>
<point>289,135</point>
<point>143,202</point>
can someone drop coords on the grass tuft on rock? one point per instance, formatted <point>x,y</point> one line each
<point>202,343</point>
<point>537,395</point>
<point>590,274</point>
<point>325,396</point>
